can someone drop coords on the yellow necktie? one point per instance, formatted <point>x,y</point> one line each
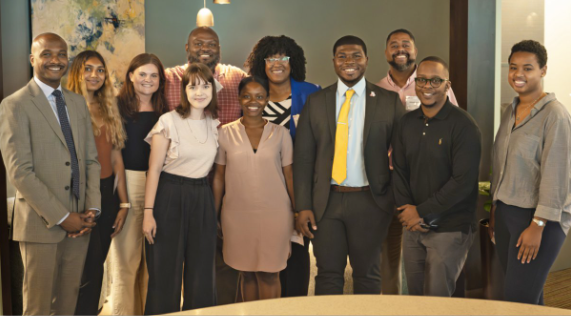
<point>339,173</point>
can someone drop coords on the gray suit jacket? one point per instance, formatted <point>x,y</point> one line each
<point>38,162</point>
<point>315,145</point>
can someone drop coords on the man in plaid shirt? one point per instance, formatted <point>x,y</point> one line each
<point>203,47</point>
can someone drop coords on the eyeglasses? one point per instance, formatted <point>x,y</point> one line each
<point>434,82</point>
<point>282,60</point>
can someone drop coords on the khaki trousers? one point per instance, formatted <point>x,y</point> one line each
<point>127,259</point>
<point>52,274</point>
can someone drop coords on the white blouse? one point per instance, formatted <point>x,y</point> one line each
<point>193,144</point>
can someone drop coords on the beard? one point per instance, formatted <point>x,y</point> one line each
<point>212,64</point>
<point>402,67</point>
<point>429,105</point>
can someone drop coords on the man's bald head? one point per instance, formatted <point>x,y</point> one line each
<point>202,29</point>
<point>49,58</point>
<point>38,40</point>
<point>203,47</point>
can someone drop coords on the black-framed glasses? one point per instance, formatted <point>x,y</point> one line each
<point>434,82</point>
<point>282,60</point>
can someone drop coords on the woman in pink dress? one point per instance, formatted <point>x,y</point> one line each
<point>253,185</point>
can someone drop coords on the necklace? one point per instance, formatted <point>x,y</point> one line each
<point>192,132</point>
<point>517,118</point>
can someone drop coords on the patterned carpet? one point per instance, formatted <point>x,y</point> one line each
<point>557,290</point>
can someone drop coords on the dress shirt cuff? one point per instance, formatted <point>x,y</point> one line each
<point>97,212</point>
<point>63,219</point>
<point>550,214</point>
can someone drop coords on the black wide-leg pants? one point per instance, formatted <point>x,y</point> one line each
<point>184,248</point>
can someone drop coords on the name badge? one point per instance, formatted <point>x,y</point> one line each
<point>412,103</point>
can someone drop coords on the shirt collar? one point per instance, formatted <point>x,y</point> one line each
<point>47,90</point>
<point>409,81</point>
<point>359,87</point>
<point>550,96</point>
<point>442,114</point>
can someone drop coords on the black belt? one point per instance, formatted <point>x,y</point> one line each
<point>343,189</point>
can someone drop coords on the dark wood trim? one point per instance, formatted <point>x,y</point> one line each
<point>4,243</point>
<point>459,50</point>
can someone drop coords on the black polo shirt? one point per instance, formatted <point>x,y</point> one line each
<point>436,165</point>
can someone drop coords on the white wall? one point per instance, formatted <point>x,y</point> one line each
<point>557,40</point>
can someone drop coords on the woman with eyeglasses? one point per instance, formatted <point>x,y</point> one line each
<point>531,180</point>
<point>281,61</point>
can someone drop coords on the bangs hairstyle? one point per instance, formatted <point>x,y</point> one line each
<point>192,74</point>
<point>274,45</point>
<point>127,99</point>
<point>531,46</point>
<point>105,96</point>
<point>350,40</point>
<point>262,81</point>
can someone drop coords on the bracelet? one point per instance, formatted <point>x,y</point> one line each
<point>125,205</point>
<point>148,208</point>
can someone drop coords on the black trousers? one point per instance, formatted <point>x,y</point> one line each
<point>352,225</point>
<point>184,248</point>
<point>524,282</point>
<point>294,278</point>
<point>99,242</point>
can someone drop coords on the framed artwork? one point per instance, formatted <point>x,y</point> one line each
<point>114,28</point>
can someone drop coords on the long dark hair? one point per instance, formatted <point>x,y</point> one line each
<point>127,99</point>
<point>197,72</point>
<point>104,96</point>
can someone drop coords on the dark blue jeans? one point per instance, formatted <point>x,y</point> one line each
<point>524,282</point>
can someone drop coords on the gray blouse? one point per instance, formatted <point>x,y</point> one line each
<point>532,161</point>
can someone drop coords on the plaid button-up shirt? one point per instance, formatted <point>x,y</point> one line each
<point>228,76</point>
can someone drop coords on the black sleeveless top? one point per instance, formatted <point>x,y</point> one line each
<point>136,151</point>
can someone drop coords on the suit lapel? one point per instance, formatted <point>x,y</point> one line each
<point>370,111</point>
<point>330,104</point>
<point>41,102</point>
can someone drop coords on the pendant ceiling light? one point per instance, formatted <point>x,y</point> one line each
<point>205,17</point>
<point>222,1</point>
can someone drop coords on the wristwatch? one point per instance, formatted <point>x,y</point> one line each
<point>539,222</point>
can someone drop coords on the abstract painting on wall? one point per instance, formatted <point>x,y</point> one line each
<point>114,28</point>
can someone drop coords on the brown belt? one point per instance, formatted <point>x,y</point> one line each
<point>338,188</point>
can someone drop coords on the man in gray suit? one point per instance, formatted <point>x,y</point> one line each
<point>49,151</point>
<point>341,172</point>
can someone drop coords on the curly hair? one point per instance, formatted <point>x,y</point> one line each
<point>105,96</point>
<point>127,98</point>
<point>197,72</point>
<point>531,46</point>
<point>272,45</point>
